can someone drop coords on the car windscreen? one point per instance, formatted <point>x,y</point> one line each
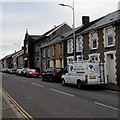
<point>58,70</point>
<point>32,70</point>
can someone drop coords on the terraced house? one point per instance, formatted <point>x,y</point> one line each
<point>101,43</point>
<point>32,43</point>
<point>45,50</point>
<point>99,40</point>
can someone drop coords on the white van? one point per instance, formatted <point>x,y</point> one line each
<point>85,73</point>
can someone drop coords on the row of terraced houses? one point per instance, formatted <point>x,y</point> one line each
<point>98,40</point>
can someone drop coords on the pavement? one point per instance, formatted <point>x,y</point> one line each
<point>11,113</point>
<point>113,87</point>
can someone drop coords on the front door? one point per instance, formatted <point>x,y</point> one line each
<point>111,68</point>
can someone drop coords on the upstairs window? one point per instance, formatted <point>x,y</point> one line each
<point>94,40</point>
<point>54,50</point>
<point>70,46</point>
<point>109,37</point>
<point>79,44</point>
<point>60,49</point>
<point>44,53</point>
<point>48,51</point>
<point>26,48</point>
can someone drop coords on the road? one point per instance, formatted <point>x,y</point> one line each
<point>52,100</point>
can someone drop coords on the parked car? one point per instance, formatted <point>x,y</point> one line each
<point>24,71</point>
<point>19,72</point>
<point>7,71</point>
<point>12,71</point>
<point>4,70</point>
<point>52,74</point>
<point>32,73</point>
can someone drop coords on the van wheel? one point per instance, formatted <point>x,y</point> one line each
<point>63,82</point>
<point>79,84</point>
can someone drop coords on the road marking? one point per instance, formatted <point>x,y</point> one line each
<point>106,106</point>
<point>62,92</point>
<point>37,85</point>
<point>18,107</point>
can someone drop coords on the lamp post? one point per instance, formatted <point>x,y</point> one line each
<point>74,41</point>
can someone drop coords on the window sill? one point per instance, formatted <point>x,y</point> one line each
<point>93,48</point>
<point>109,46</point>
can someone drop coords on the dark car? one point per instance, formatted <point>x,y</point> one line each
<point>52,74</point>
<point>24,71</point>
<point>32,73</point>
<point>18,72</point>
<point>12,71</point>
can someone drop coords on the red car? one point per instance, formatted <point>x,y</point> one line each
<point>32,73</point>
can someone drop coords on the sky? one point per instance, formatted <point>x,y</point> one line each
<point>39,16</point>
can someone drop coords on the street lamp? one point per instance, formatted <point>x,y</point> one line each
<point>74,41</point>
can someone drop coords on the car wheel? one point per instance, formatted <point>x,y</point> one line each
<point>63,82</point>
<point>43,79</point>
<point>50,79</point>
<point>79,84</point>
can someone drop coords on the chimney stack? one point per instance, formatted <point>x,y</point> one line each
<point>85,20</point>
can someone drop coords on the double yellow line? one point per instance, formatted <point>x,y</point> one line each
<point>17,106</point>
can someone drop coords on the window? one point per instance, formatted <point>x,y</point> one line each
<point>94,58</point>
<point>79,44</point>
<point>93,40</point>
<point>60,62</point>
<point>54,63</point>
<point>60,49</point>
<point>26,48</point>
<point>70,46</point>
<point>44,52</point>
<point>48,51</point>
<point>109,37</point>
<point>54,50</point>
<point>70,60</point>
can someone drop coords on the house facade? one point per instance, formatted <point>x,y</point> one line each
<point>101,43</point>
<point>98,41</point>
<point>18,59</point>
<point>78,40</point>
<point>28,55</point>
<point>46,49</point>
<point>57,55</point>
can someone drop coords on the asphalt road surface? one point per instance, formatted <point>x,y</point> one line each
<point>52,100</point>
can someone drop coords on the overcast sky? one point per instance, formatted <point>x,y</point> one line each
<point>39,16</point>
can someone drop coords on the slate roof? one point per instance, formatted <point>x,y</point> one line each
<point>10,55</point>
<point>50,31</point>
<point>35,37</point>
<point>112,17</point>
<point>20,52</point>
<point>59,38</point>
